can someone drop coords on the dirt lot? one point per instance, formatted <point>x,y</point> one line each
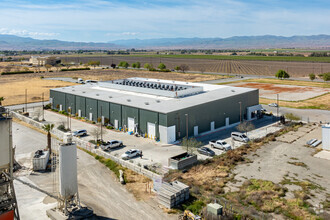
<point>299,69</point>
<point>286,92</point>
<point>291,164</point>
<point>271,178</point>
<point>13,86</point>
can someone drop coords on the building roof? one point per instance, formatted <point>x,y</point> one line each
<point>151,102</point>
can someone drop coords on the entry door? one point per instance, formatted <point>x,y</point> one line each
<point>227,122</point>
<point>151,130</point>
<point>91,116</point>
<point>61,108</point>
<point>79,113</point>
<point>116,124</point>
<point>212,125</point>
<point>130,124</point>
<point>195,130</point>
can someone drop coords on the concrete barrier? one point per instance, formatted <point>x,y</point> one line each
<point>89,146</point>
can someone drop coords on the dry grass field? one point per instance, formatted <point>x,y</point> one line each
<point>313,95</point>
<point>12,87</point>
<point>255,67</point>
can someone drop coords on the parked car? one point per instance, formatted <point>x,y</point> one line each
<point>111,144</point>
<point>206,151</point>
<point>91,81</point>
<point>238,136</point>
<point>220,144</point>
<point>80,133</point>
<point>131,153</point>
<point>273,105</point>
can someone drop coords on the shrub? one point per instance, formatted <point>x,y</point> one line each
<point>326,76</point>
<point>123,64</point>
<point>41,77</point>
<point>195,207</point>
<point>16,72</point>
<point>312,76</point>
<point>75,69</point>
<point>62,128</point>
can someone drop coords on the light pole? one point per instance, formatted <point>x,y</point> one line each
<point>277,103</point>
<point>101,124</point>
<point>69,110</point>
<point>43,113</point>
<point>25,100</point>
<point>240,112</point>
<point>187,129</point>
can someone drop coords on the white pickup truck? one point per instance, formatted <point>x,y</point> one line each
<point>220,144</point>
<point>111,144</point>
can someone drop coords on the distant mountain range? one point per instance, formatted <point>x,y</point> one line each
<point>244,42</point>
<point>11,42</point>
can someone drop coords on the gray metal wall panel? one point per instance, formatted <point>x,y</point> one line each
<point>163,119</point>
<point>58,99</point>
<point>105,107</point>
<point>203,115</point>
<point>70,102</point>
<point>91,107</point>
<point>145,117</point>
<point>81,105</point>
<point>129,112</point>
<point>115,114</point>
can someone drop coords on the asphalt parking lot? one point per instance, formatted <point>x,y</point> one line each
<point>156,153</point>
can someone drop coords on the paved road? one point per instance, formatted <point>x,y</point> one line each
<point>307,115</point>
<point>29,105</point>
<point>98,187</point>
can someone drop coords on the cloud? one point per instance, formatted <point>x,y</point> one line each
<point>102,20</point>
<point>26,33</point>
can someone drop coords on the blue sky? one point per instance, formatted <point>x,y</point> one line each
<point>107,20</point>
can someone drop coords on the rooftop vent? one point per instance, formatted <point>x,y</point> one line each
<point>73,90</point>
<point>233,90</point>
<point>146,103</point>
<point>83,92</point>
<point>158,101</point>
<point>128,100</point>
<point>110,97</point>
<point>97,94</point>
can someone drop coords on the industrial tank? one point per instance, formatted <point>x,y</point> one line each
<point>68,185</point>
<point>5,126</point>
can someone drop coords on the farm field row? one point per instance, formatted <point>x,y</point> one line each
<point>254,67</point>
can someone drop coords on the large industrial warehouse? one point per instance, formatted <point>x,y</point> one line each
<point>160,109</point>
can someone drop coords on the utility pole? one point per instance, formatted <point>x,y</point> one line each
<point>43,113</point>
<point>70,118</point>
<point>187,129</point>
<point>101,124</point>
<point>277,104</point>
<point>25,100</point>
<point>240,112</point>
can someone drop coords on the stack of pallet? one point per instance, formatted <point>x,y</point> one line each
<point>173,194</point>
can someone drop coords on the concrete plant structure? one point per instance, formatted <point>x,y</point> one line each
<point>160,109</point>
<point>8,202</point>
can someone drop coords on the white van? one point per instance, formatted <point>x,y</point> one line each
<point>80,80</point>
<point>237,136</point>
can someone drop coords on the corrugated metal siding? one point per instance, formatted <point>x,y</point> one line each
<point>115,114</point>
<point>145,117</point>
<point>129,112</point>
<point>91,107</point>
<point>203,115</point>
<point>105,107</point>
<point>70,102</point>
<point>58,99</point>
<point>81,105</point>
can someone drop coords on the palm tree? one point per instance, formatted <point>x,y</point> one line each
<point>48,128</point>
<point>1,100</point>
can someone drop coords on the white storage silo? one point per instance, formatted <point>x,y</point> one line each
<point>68,184</point>
<point>326,136</point>
<point>5,125</point>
